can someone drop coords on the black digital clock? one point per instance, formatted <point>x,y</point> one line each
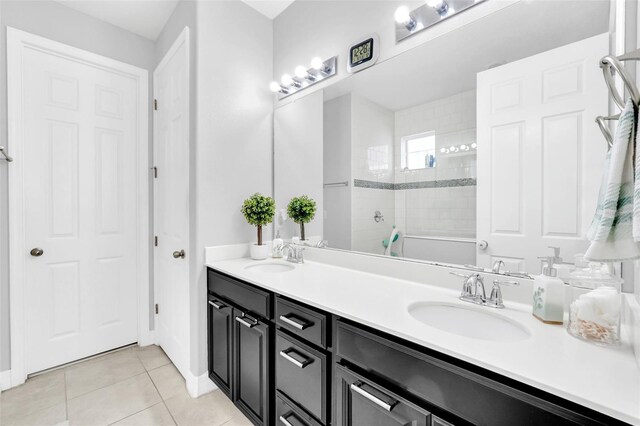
<point>363,54</point>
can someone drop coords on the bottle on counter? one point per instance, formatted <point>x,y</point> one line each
<point>276,247</point>
<point>596,303</point>
<point>548,294</point>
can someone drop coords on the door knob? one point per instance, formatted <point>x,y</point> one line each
<point>179,254</point>
<point>36,252</point>
<point>482,245</point>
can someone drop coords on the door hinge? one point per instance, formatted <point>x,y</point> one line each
<point>155,241</point>
<point>155,172</point>
<point>157,309</point>
<point>155,104</point>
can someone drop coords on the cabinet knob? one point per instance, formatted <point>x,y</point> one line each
<point>179,254</point>
<point>482,244</point>
<point>36,252</point>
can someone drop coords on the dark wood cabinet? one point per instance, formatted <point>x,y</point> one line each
<point>240,345</point>
<point>361,402</point>
<point>252,354</point>
<point>321,370</point>
<point>220,344</point>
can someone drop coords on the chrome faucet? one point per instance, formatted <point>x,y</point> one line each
<point>497,265</point>
<point>495,300</point>
<point>293,253</point>
<point>473,288</point>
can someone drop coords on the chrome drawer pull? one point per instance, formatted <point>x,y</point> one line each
<point>303,364</point>
<point>218,306</point>
<point>387,406</point>
<point>299,326</point>
<point>246,323</point>
<point>285,422</point>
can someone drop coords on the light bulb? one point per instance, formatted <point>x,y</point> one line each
<point>474,145</point>
<point>402,15</point>
<point>301,72</point>
<point>274,86</point>
<point>286,80</point>
<point>441,6</point>
<point>464,147</point>
<point>443,150</point>
<point>317,63</point>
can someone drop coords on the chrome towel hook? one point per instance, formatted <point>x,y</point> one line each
<point>610,64</point>
<point>600,120</point>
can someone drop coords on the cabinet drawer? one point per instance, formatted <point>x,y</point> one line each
<point>301,374</point>
<point>289,415</point>
<point>361,402</point>
<point>245,296</point>
<point>450,387</point>
<point>310,325</point>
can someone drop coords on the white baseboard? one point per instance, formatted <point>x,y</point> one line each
<point>199,385</point>
<point>148,338</point>
<point>5,380</point>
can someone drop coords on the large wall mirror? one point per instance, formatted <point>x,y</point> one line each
<point>477,146</point>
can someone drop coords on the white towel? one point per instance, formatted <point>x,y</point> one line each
<point>617,218</point>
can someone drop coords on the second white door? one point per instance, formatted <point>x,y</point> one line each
<point>540,154</point>
<point>171,203</point>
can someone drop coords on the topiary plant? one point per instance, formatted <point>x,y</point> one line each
<point>258,210</point>
<point>301,210</point>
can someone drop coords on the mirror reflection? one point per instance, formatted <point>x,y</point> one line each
<point>476,147</point>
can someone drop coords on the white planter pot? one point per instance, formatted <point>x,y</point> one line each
<point>259,252</point>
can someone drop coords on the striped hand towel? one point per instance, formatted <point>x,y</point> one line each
<point>613,229</point>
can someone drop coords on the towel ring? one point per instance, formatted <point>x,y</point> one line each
<point>605,129</point>
<point>609,63</point>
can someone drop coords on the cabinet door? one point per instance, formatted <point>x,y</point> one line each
<point>252,387</point>
<point>363,403</point>
<point>220,332</point>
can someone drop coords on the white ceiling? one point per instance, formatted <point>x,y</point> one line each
<point>269,8</point>
<point>142,17</point>
<point>148,17</point>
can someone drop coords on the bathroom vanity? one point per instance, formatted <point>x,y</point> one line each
<point>320,344</point>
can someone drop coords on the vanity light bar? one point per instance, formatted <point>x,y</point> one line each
<point>459,148</point>
<point>409,22</point>
<point>305,77</point>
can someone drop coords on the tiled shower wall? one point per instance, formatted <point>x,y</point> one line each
<point>372,135</point>
<point>449,208</point>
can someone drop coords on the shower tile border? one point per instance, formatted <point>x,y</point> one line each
<point>444,183</point>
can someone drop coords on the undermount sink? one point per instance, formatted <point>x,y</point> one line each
<point>468,321</point>
<point>271,267</point>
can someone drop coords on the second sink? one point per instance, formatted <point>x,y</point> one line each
<point>271,267</point>
<point>468,322</point>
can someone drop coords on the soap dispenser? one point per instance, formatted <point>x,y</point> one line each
<point>548,293</point>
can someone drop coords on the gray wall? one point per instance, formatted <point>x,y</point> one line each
<point>234,137</point>
<point>56,22</point>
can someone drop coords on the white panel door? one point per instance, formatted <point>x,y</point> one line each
<point>171,202</point>
<point>540,154</point>
<point>298,159</point>
<point>79,154</point>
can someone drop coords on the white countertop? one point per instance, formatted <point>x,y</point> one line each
<point>604,379</point>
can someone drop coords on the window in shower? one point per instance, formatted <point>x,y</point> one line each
<point>418,151</point>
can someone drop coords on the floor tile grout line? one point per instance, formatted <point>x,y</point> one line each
<point>66,401</point>
<point>133,414</point>
<point>162,399</point>
<point>104,387</point>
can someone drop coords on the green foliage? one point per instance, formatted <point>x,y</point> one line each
<point>301,209</point>
<point>258,209</point>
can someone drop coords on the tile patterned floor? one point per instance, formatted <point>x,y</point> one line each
<point>131,387</point>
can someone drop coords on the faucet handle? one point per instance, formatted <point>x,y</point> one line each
<point>495,299</point>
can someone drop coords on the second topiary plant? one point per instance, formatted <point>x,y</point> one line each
<point>301,210</point>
